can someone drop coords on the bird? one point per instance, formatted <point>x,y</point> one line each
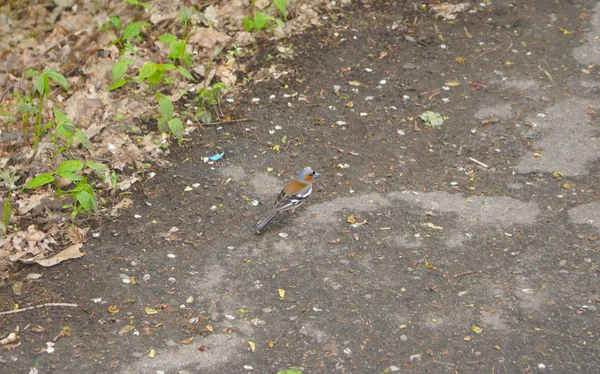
<point>294,194</point>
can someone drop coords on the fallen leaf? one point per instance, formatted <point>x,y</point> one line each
<point>113,309</point>
<point>252,345</point>
<point>271,343</point>
<point>150,311</point>
<point>281,293</point>
<point>335,241</point>
<point>126,329</point>
<point>433,226</point>
<point>429,265</point>
<point>66,254</point>
<point>476,329</point>
<point>187,341</point>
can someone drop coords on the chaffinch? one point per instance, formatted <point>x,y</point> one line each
<point>291,196</point>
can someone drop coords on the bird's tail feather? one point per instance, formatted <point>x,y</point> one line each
<point>265,221</point>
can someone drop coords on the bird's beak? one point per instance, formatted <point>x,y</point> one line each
<point>317,175</point>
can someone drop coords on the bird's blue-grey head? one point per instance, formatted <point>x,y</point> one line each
<point>307,175</point>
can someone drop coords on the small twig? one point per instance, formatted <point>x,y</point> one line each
<point>478,162</point>
<point>36,307</point>
<point>463,274</point>
<point>225,122</point>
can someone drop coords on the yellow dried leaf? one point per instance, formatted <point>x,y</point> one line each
<point>126,329</point>
<point>433,226</point>
<point>476,329</point>
<point>509,63</point>
<point>252,345</point>
<point>281,293</point>
<point>497,347</point>
<point>460,60</point>
<point>354,83</point>
<point>335,241</point>
<point>429,266</point>
<point>187,341</point>
<point>567,185</point>
<point>452,84</point>
<point>189,299</point>
<point>557,175</point>
<point>208,328</point>
<point>150,311</point>
<point>275,148</point>
<point>113,309</point>
<point>152,353</point>
<point>271,343</point>
<point>351,219</point>
<point>468,338</point>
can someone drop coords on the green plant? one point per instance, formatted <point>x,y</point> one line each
<point>84,197</point>
<point>6,215</point>
<point>66,129</point>
<point>40,90</point>
<point>153,73</point>
<point>209,97</point>
<point>262,20</point>
<point>131,32</point>
<point>119,71</point>
<point>178,46</point>
<point>166,122</point>
<point>139,3</point>
<point>83,193</point>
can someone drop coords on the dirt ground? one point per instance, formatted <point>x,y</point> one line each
<point>468,248</point>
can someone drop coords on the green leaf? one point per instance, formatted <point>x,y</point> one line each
<point>40,180</point>
<point>168,38</point>
<point>116,21</point>
<point>290,371</point>
<point>84,140</point>
<point>176,128</point>
<point>86,200</point>
<point>59,79</point>
<point>60,116</point>
<point>177,50</point>
<point>66,130</point>
<point>260,20</point>
<point>69,166</point>
<point>31,73</point>
<point>132,30</point>
<point>113,180</point>
<point>117,84</point>
<point>147,70</point>
<point>165,67</point>
<point>119,69</point>
<point>70,176</point>
<point>187,60</point>
<point>248,24</point>
<point>165,107</point>
<point>39,84</point>
<point>46,84</point>
<point>7,212</point>
<point>186,74</point>
<point>96,166</point>
<point>281,6</point>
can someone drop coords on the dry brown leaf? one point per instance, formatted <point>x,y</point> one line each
<point>77,234</point>
<point>66,254</point>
